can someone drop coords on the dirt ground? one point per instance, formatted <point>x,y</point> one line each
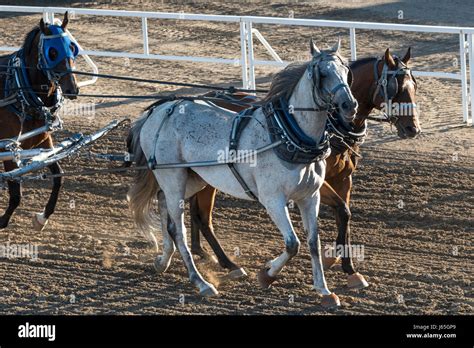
<point>412,203</point>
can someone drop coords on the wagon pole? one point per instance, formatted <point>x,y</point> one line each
<point>154,167</point>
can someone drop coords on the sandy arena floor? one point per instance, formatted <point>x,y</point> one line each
<point>418,258</point>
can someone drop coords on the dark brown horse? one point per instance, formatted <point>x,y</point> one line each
<point>377,83</point>
<point>34,89</point>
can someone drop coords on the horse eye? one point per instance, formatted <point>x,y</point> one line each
<point>73,48</point>
<point>52,53</point>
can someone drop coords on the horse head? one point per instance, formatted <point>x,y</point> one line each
<point>332,79</point>
<point>56,56</point>
<point>399,100</point>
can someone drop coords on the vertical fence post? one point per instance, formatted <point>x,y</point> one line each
<point>470,40</point>
<point>464,91</point>
<point>48,17</point>
<point>251,56</point>
<point>352,33</point>
<point>243,54</point>
<point>146,49</point>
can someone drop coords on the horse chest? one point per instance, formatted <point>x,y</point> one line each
<point>340,164</point>
<point>307,181</point>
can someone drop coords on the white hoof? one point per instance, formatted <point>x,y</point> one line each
<point>160,266</point>
<point>39,222</point>
<point>208,291</point>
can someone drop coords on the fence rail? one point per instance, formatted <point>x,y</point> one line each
<point>246,59</point>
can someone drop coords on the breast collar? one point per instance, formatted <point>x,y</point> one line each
<point>22,99</point>
<point>344,136</point>
<point>297,146</point>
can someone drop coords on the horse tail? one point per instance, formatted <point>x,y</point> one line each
<point>144,190</point>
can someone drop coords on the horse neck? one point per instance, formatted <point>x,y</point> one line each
<point>38,78</point>
<point>313,123</point>
<point>363,90</point>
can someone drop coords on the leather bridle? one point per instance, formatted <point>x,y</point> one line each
<point>386,85</point>
<point>325,104</point>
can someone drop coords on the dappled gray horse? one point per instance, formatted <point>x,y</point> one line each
<point>292,118</point>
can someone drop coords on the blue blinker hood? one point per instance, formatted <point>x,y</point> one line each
<point>59,41</point>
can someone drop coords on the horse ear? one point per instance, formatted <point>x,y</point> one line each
<point>389,59</point>
<point>337,46</point>
<point>313,48</point>
<point>407,56</point>
<point>43,27</point>
<point>65,21</point>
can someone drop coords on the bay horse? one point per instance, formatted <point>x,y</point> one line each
<point>32,88</point>
<point>198,132</point>
<point>367,87</point>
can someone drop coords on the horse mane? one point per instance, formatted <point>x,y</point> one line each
<point>356,63</point>
<point>285,81</point>
<point>29,39</point>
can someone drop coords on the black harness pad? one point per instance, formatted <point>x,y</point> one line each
<point>281,124</point>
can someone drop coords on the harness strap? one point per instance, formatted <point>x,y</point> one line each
<point>169,111</point>
<point>238,125</point>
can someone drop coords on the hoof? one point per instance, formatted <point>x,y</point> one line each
<point>329,261</point>
<point>236,274</point>
<point>233,275</point>
<point>330,301</point>
<point>159,266</point>
<point>3,224</point>
<point>264,279</point>
<point>39,222</point>
<point>356,281</point>
<point>209,291</point>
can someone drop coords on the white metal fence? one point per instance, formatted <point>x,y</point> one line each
<point>247,60</point>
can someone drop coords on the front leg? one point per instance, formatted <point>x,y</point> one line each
<point>355,280</point>
<point>309,209</point>
<point>278,211</point>
<point>41,219</point>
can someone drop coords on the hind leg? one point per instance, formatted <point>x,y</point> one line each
<point>14,191</point>
<point>173,184</point>
<point>202,205</point>
<point>196,226</point>
<point>163,261</point>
